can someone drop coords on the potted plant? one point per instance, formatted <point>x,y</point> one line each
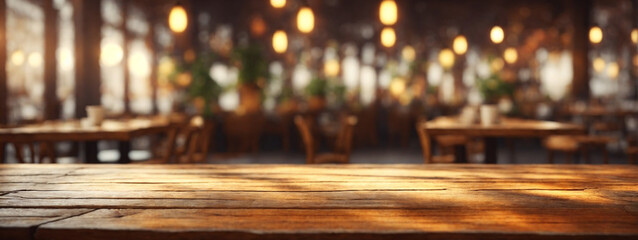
<point>492,88</point>
<point>202,90</point>
<point>253,76</point>
<point>317,90</point>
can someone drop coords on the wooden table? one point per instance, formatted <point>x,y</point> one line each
<point>318,202</point>
<point>507,128</point>
<point>118,130</point>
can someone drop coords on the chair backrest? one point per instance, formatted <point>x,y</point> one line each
<point>201,131</point>
<point>344,138</point>
<point>306,136</point>
<point>424,140</point>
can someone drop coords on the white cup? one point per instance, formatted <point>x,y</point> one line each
<point>95,114</point>
<point>468,115</point>
<point>489,115</point>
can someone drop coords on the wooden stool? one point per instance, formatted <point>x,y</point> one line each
<point>559,143</point>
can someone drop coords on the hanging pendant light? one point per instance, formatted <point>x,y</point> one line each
<point>388,12</point>
<point>388,37</point>
<point>178,19</point>
<point>497,35</point>
<point>305,20</point>
<point>280,41</point>
<point>278,3</point>
<point>595,35</point>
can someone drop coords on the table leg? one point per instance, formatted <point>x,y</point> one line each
<point>460,154</point>
<point>3,156</point>
<point>491,150</point>
<point>90,152</point>
<point>125,148</point>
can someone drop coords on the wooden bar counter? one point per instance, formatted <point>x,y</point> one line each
<point>318,202</point>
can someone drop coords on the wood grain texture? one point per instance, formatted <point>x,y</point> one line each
<point>321,202</point>
<point>508,127</point>
<point>122,130</point>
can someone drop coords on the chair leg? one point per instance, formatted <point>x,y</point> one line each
<point>19,152</point>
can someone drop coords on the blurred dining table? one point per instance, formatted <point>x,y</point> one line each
<point>506,128</point>
<point>121,130</point>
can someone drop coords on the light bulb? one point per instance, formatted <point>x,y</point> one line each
<point>497,34</point>
<point>305,20</point>
<point>510,55</point>
<point>595,35</point>
<point>388,12</point>
<point>278,3</point>
<point>446,58</point>
<point>177,19</point>
<point>280,41</point>
<point>460,45</point>
<point>388,37</point>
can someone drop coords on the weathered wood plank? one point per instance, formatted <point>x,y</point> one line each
<point>21,223</point>
<point>328,201</point>
<point>344,224</point>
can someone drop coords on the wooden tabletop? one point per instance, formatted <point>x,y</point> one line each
<point>122,129</point>
<point>507,127</point>
<point>318,202</point>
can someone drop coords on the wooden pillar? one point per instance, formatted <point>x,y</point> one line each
<point>125,49</point>
<point>581,11</point>
<point>4,110</point>
<point>150,43</point>
<point>52,104</point>
<point>88,36</point>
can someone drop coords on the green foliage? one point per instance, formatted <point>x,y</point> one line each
<point>253,66</point>
<point>202,85</point>
<point>318,87</point>
<point>493,88</point>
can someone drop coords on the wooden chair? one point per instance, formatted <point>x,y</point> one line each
<point>45,149</point>
<point>447,145</point>
<point>343,145</point>
<point>560,143</point>
<point>195,149</point>
<point>185,143</point>
<point>243,131</point>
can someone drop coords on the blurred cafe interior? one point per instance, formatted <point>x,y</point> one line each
<point>319,81</point>
<point>319,119</point>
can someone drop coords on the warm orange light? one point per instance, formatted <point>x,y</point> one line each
<point>331,68</point>
<point>278,3</point>
<point>634,36</point>
<point>397,87</point>
<point>613,70</point>
<point>408,53</point>
<point>460,45</point>
<point>177,19</point>
<point>305,20</point>
<point>388,37</point>
<point>595,35</point>
<point>599,64</point>
<point>497,34</point>
<point>510,55</point>
<point>446,58</point>
<point>388,12</point>
<point>280,41</point>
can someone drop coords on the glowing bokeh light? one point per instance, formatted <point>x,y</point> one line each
<point>388,12</point>
<point>305,20</point>
<point>178,19</point>
<point>388,37</point>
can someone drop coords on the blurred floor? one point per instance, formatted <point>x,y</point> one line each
<point>526,152</point>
